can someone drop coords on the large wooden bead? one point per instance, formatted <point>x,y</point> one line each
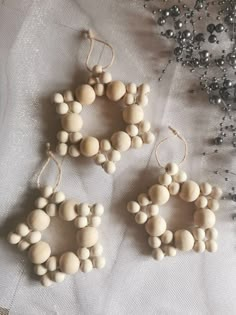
<point>87,237</point>
<point>39,252</point>
<point>69,263</point>
<point>159,194</point>
<point>183,240</point>
<point>71,122</point>
<point>204,218</point>
<point>38,220</point>
<point>115,90</point>
<point>121,141</point>
<point>155,226</point>
<point>189,191</point>
<point>85,94</point>
<point>89,146</point>
<point>67,210</point>
<point>133,114</point>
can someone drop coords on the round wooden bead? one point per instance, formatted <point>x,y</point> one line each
<point>38,220</point>
<point>58,276</point>
<point>211,246</point>
<point>212,234</point>
<point>105,77</point>
<point>39,252</point>
<point>83,253</point>
<point>98,209</point>
<point>158,254</point>
<point>114,156</point>
<point>199,247</point>
<point>189,191</point>
<point>13,238</point>
<point>154,242</point>
<point>68,96</point>
<point>201,202</point>
<point>51,263</point>
<point>46,281</point>
<point>172,169</point>
<point>96,250</point>
<point>62,136</point>
<point>46,191</point>
<point>75,137</point>
<point>105,145</point>
<point>121,141</point>
<point>133,207</point>
<point>133,114</point>
<point>83,209</point>
<point>148,137</point>
<point>99,89</point>
<point>76,107</point>
<point>159,194</point>
<point>199,234</point>
<point>33,237</point>
<point>183,240</point>
<point>87,237</point>
<point>92,80</point>
<point>85,94</point>
<point>141,217</point>
<point>51,209</point>
<point>180,177</point>
<point>167,237</point>
<point>89,146</point>
<point>213,204</point>
<point>95,221</point>
<point>97,69</point>
<point>115,90</point>
<point>155,226</point>
<point>71,122</point>
<point>40,203</point>
<point>62,108</point>
<point>74,151</point>
<point>170,250</point>
<point>205,189</point>
<point>57,98</point>
<point>81,222</point>
<point>144,126</point>
<point>86,265</point>
<point>58,197</point>
<point>152,210</point>
<point>100,159</point>
<point>131,88</point>
<point>136,142</point>
<point>99,262</point>
<point>216,192</point>
<point>143,199</point>
<point>174,188</point>
<point>62,149</point>
<point>69,263</point>
<point>144,88</point>
<point>142,100</point>
<point>165,179</point>
<point>129,99</point>
<point>109,167</point>
<point>132,130</point>
<point>204,218</point>
<point>22,229</point>
<point>67,210</point>
<point>40,270</point>
<point>23,245</point>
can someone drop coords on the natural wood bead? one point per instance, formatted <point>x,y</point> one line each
<point>74,151</point>
<point>76,107</point>
<point>57,98</point>
<point>81,222</point>
<point>92,81</point>
<point>33,237</point>
<point>85,94</point>
<point>95,221</point>
<point>62,109</point>
<point>46,191</point>
<point>39,252</point>
<point>171,169</point>
<point>13,238</point>
<point>148,137</point>
<point>67,210</point>
<point>167,237</point>
<point>159,194</point>
<point>129,99</point>
<point>133,114</point>
<point>98,209</point>
<point>183,240</point>
<point>58,197</point>
<point>155,226</point>
<point>131,88</point>
<point>89,146</point>
<point>97,69</point>
<point>205,189</point>
<point>152,210</point>
<point>115,90</point>
<point>105,77</point>
<point>109,167</point>
<point>133,207</point>
<point>213,204</point>
<point>144,126</point>
<point>204,218</point>
<point>136,142</point>
<point>174,188</point>
<point>22,229</point>
<point>40,203</point>
<point>180,177</point>
<point>199,247</point>
<point>100,158</point>
<point>58,276</point>
<point>83,253</point>
<point>61,149</point>
<point>143,199</point>
<point>199,234</point>
<point>62,136</point>
<point>201,202</point>
<point>216,192</point>
<point>40,270</point>
<point>121,141</point>
<point>86,265</point>
<point>154,242</point>
<point>114,156</point>
<point>46,281</point>
<point>141,217</point>
<point>87,237</point>
<point>99,89</point>
<point>212,234</point>
<point>105,145</point>
<point>132,130</point>
<point>83,209</point>
<point>165,179</point>
<point>69,263</point>
<point>99,262</point>
<point>96,250</point>
<point>144,88</point>
<point>211,246</point>
<point>23,245</point>
<point>68,96</point>
<point>142,100</point>
<point>51,209</point>
<point>71,122</point>
<point>51,263</point>
<point>38,220</point>
<point>158,254</point>
<point>75,137</point>
<point>189,191</point>
<point>170,250</point>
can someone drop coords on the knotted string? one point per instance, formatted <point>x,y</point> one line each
<point>175,134</point>
<point>92,39</point>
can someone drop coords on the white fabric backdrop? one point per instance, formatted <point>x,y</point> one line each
<point>42,52</point>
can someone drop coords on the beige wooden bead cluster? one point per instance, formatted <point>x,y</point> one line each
<point>27,236</point>
<point>202,235</point>
<point>106,152</point>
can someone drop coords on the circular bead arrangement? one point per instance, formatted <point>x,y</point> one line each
<point>105,152</point>
<point>201,236</point>
<point>86,218</point>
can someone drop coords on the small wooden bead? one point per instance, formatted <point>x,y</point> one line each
<point>114,156</point>
<point>142,100</point>
<point>67,210</point>
<point>13,238</point>
<point>62,136</point>
<point>148,137</point>
<point>172,169</point>
<point>83,253</point>
<point>136,142</point>
<point>205,189</point>
<point>95,221</point>
<point>132,130</point>
<point>199,234</point>
<point>46,281</point>
<point>133,207</point>
<point>33,237</point>
<point>51,263</point>
<point>39,252</point>
<point>86,265</point>
<point>189,191</point>
<point>96,250</point>
<point>105,77</point>
<point>61,149</point>
<point>57,98</point>
<point>204,218</point>
<point>174,188</point>
<point>62,109</point>
<point>133,114</point>
<point>76,107</point>
<point>115,91</point>
<point>143,199</point>
<point>100,159</point>
<point>99,89</point>
<point>87,237</point>
<point>212,234</point>
<point>23,245</point>
<point>109,167</point>
<point>22,229</point>
<point>199,247</point>
<point>58,276</point>
<point>83,209</point>
<point>180,177</point>
<point>38,220</point>
<point>211,246</point>
<point>51,209</point>
<point>170,250</point>
<point>105,145</point>
<point>89,146</point>
<point>141,217</point>
<point>75,137</point>
<point>81,222</point>
<point>159,194</point>
<point>155,226</point>
<point>213,204</point>
<point>144,126</point>
<point>216,192</point>
<point>58,197</point>
<point>157,254</point>
<point>46,191</point>
<point>131,88</point>
<point>165,179</point>
<point>97,69</point>
<point>121,141</point>
<point>85,94</point>
<point>144,88</point>
<point>92,81</point>
<point>68,96</point>
<point>167,237</point>
<point>69,263</point>
<point>152,210</point>
<point>154,242</point>
<point>74,151</point>
<point>71,122</point>
<point>183,240</point>
<point>40,203</point>
<point>99,262</point>
<point>201,202</point>
<point>40,270</point>
<point>98,209</point>
<point>129,99</point>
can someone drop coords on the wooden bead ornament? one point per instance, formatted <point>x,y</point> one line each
<point>86,218</point>
<point>70,104</point>
<point>202,235</point>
